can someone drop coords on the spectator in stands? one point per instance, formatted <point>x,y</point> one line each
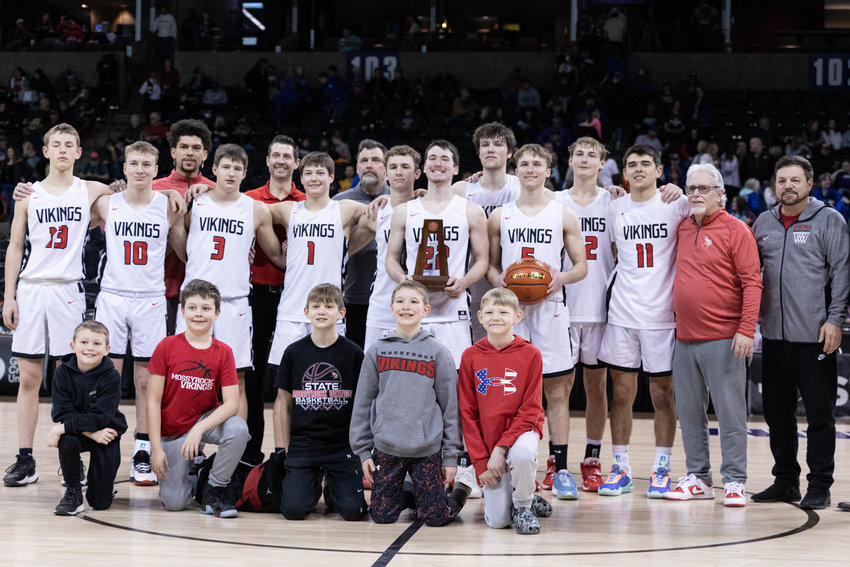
<point>824,160</point>
<point>334,96</point>
<point>151,89</point>
<point>84,112</point>
<point>615,27</point>
<point>13,170</point>
<point>842,176</point>
<point>701,114</point>
<point>17,81</point>
<point>189,31</point>
<point>156,131</point>
<point>95,168</point>
<point>165,29</point>
<point>348,42</point>
<point>215,98</point>
<point>729,168</point>
<point>832,135</point>
<point>650,138</point>
<point>812,135</point>
<point>528,97</point>
<point>825,192</point>
<point>20,37</point>
<point>69,33</point>
<point>27,96</point>
<point>41,84</point>
<point>738,208</point>
<point>757,163</point>
<point>35,161</point>
<point>463,109</point>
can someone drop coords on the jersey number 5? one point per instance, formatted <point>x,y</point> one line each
<point>644,255</point>
<point>58,237</point>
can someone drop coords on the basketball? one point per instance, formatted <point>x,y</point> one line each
<point>529,279</point>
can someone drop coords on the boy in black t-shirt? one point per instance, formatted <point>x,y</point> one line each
<point>316,380</point>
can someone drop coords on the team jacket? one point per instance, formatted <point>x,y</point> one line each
<point>806,272</point>
<point>717,289</point>
<point>501,396</point>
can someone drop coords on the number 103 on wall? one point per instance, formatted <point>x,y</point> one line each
<point>829,71</point>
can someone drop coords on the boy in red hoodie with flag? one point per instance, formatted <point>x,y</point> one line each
<point>500,391</point>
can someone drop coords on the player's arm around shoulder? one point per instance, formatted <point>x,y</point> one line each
<point>351,213</point>
<point>395,245</point>
<point>459,188</point>
<point>478,243</point>
<point>574,246</point>
<point>363,234</point>
<point>96,189</point>
<point>266,238</point>
<point>280,213</point>
<point>495,270</point>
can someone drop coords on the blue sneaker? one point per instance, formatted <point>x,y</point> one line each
<point>618,482</point>
<point>564,486</point>
<point>659,483</point>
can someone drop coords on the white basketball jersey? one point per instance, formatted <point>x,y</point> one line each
<point>645,235</point>
<point>456,239</point>
<point>586,297</point>
<point>490,201</point>
<point>57,226</point>
<point>219,242</point>
<point>136,240</point>
<point>315,253</point>
<point>540,236</point>
<point>379,301</point>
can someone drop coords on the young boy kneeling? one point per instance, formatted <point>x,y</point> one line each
<point>86,392</point>
<point>501,392</point>
<point>187,372</point>
<point>405,418</point>
<point>316,381</point>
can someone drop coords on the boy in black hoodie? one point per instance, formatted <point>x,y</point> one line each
<point>86,392</point>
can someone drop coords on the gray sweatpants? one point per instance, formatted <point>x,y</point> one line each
<point>516,488</point>
<point>700,367</point>
<point>175,491</point>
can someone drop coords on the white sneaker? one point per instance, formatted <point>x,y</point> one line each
<point>734,495</point>
<point>141,472</point>
<point>690,487</point>
<point>467,476</point>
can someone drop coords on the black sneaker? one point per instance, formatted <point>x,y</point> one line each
<point>83,480</point>
<point>71,504</point>
<point>777,493</point>
<point>21,473</point>
<point>844,506</point>
<point>816,500</point>
<point>215,504</point>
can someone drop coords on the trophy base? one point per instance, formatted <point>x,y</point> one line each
<point>433,283</point>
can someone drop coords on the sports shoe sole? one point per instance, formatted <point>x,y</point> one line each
<point>736,503</point>
<point>81,508</point>
<point>565,496</point>
<point>655,495</point>
<point>24,481</point>
<point>615,491</point>
<point>208,511</point>
<point>144,482</point>
<point>674,496</point>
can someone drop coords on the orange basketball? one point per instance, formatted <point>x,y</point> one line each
<point>529,279</point>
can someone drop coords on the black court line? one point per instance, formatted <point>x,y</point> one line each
<point>396,546</point>
<point>812,519</point>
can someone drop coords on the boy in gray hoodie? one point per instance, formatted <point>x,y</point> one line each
<point>405,418</point>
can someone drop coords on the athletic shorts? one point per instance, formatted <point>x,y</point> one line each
<point>586,339</point>
<point>454,335</point>
<point>626,349</point>
<point>234,328</point>
<point>139,318</point>
<point>373,333</point>
<point>546,325</point>
<point>47,311</point>
<point>287,332</point>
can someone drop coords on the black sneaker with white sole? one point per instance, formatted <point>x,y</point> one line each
<point>141,472</point>
<point>215,503</point>
<point>21,473</point>
<point>71,504</point>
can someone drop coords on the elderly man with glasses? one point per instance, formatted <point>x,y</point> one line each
<point>716,297</point>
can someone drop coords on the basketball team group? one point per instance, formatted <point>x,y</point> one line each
<point>466,308</point>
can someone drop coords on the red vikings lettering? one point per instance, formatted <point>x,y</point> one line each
<point>422,367</point>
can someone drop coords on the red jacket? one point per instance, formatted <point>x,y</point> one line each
<point>175,269</point>
<point>500,393</point>
<point>717,289</point>
<point>262,270</point>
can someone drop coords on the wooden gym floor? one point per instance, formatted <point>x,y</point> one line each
<point>628,530</point>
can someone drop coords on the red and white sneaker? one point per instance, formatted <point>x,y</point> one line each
<point>734,495</point>
<point>536,486</point>
<point>548,480</point>
<point>690,487</point>
<point>591,474</point>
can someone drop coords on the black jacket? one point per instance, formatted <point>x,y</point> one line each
<point>87,401</point>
